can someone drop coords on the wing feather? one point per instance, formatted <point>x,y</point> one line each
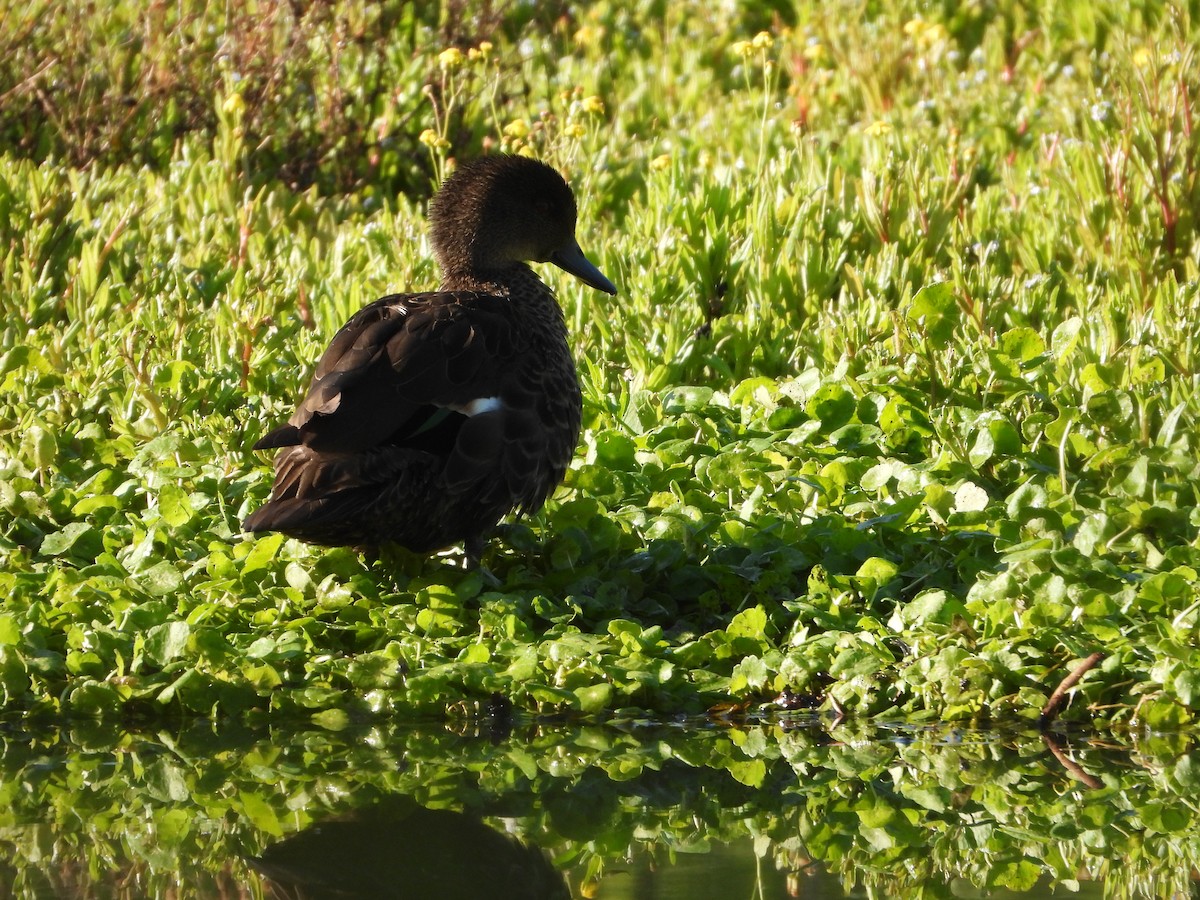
<point>395,358</point>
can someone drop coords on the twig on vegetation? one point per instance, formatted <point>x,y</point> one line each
<point>24,83</point>
<point>1050,710</point>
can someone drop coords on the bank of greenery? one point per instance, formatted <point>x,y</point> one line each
<point>895,414</point>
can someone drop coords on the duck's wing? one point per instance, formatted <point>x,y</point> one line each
<point>398,367</point>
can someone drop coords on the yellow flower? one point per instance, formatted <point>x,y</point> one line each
<point>935,34</point>
<point>1142,57</point>
<point>741,48</point>
<point>660,162</point>
<point>592,105</point>
<point>234,105</point>
<point>763,41</point>
<point>517,128</point>
<point>450,58</point>
<point>878,128</point>
<point>574,130</point>
<point>526,150</point>
<point>483,51</point>
<point>589,35</point>
<point>925,33</point>
<point>431,138</point>
<point>814,52</point>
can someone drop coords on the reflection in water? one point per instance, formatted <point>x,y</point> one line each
<point>414,854</point>
<point>627,811</point>
<point>723,870</point>
<point>735,871</point>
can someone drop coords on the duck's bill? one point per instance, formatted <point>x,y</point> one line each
<point>571,259</point>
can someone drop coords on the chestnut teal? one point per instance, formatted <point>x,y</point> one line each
<point>433,415</point>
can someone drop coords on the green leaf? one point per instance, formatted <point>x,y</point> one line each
<point>615,451</point>
<point>751,772</point>
<point>595,698</point>
<point>833,405</point>
<point>751,672</point>
<point>1134,484</point>
<point>167,642</point>
<point>1166,818</point>
<point>1162,714</point>
<point>476,654</point>
<point>983,448</point>
<point>854,661</point>
<point>1065,338</point>
<point>1187,687</point>
<point>970,497</point>
<point>682,399</point>
<point>934,798</point>
<point>260,814</point>
<point>60,542</point>
<point>39,446</point>
<point>1022,344</point>
<point>1016,875</point>
<point>1094,380</point>
<point>174,505</point>
<point>931,606</point>
<point>749,623</point>
<point>331,719</point>
<point>262,553</point>
<point>10,631</point>
<point>879,569</point>
<point>935,311</point>
<point>1091,531</point>
<point>160,579</point>
<point>92,698</point>
<point>1150,371</point>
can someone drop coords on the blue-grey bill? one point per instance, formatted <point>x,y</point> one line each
<point>571,259</point>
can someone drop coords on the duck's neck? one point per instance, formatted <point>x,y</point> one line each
<point>533,300</point>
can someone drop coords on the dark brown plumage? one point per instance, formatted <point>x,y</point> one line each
<point>431,416</point>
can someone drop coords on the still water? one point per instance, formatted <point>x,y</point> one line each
<point>624,810</point>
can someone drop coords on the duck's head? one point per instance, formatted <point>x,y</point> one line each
<point>497,211</point>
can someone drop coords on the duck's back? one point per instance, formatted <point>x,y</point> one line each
<point>430,416</point>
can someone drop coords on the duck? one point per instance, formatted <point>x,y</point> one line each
<point>433,415</point>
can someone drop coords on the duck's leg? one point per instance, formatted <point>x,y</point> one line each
<point>472,552</point>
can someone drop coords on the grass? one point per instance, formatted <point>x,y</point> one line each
<point>895,414</point>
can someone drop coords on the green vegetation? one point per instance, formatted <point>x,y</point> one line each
<point>100,812</point>
<point>896,411</point>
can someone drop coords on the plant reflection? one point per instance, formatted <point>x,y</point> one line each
<point>383,809</point>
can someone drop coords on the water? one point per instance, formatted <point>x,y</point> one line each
<point>627,810</point>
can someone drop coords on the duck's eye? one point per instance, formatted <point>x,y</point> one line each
<point>543,207</point>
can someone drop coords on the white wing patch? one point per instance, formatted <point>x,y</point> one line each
<point>478,405</point>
